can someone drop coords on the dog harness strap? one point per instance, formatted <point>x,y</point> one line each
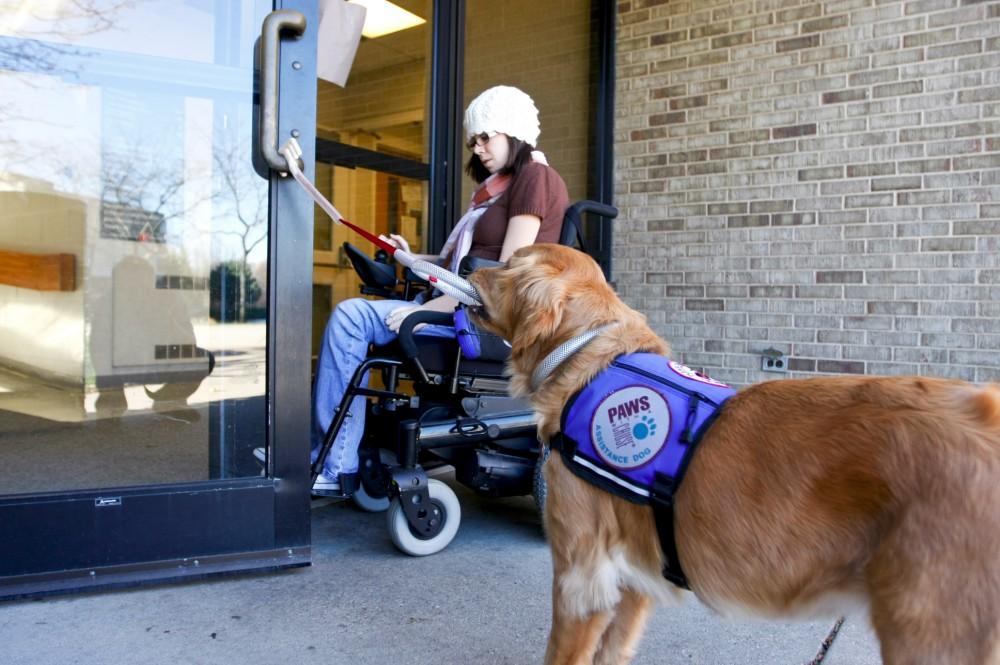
<point>633,430</point>
<point>606,479</point>
<point>562,444</point>
<point>663,491</point>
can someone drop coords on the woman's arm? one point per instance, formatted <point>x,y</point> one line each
<point>521,232</point>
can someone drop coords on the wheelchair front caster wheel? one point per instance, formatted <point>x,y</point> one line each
<point>446,503</point>
<point>368,503</point>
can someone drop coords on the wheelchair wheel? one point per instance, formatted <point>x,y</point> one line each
<point>368,503</point>
<point>444,499</point>
<point>372,475</point>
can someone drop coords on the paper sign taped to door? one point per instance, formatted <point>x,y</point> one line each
<point>339,33</point>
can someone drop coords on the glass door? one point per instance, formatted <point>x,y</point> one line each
<point>147,326</point>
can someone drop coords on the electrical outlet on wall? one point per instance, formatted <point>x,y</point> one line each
<point>772,360</point>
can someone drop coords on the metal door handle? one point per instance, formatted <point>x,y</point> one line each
<point>270,42</point>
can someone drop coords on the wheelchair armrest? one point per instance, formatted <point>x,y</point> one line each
<point>594,207</point>
<point>406,341</point>
<point>413,278</point>
<point>472,263</point>
<point>412,283</point>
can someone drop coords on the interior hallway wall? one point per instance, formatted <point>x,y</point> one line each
<point>544,49</point>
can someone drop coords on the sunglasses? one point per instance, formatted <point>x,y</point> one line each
<point>479,140</point>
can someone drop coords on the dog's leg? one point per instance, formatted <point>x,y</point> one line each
<point>912,634</point>
<point>617,646</point>
<point>918,629</point>
<point>574,638</point>
<point>934,591</point>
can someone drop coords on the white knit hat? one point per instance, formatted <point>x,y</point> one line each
<point>504,109</point>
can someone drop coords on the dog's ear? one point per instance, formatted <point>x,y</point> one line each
<point>543,300</point>
<point>538,287</point>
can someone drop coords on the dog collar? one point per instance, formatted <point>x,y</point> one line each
<point>564,351</point>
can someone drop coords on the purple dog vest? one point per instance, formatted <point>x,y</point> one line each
<point>633,429</point>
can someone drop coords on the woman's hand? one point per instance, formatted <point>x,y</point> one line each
<point>397,241</point>
<point>439,304</point>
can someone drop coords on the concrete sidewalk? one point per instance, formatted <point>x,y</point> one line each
<point>485,599</point>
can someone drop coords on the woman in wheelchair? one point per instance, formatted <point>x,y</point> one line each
<point>519,200</point>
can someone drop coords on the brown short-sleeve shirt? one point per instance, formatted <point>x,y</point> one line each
<point>537,190</point>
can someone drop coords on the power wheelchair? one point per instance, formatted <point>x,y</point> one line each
<point>457,414</point>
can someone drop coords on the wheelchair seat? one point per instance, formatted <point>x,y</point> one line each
<point>439,356</point>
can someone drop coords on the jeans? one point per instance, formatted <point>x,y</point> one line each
<point>354,324</point>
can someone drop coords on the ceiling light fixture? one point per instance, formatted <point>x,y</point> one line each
<point>383,17</point>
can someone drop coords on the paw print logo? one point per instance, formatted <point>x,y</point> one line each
<point>646,427</point>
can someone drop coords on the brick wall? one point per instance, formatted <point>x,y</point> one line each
<point>820,178</point>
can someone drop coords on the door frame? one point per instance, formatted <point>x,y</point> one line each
<point>58,542</point>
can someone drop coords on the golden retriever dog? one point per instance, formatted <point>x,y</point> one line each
<point>804,496</point>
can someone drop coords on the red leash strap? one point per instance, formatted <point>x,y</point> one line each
<point>370,237</point>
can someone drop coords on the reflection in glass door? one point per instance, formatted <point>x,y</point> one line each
<point>133,244</point>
